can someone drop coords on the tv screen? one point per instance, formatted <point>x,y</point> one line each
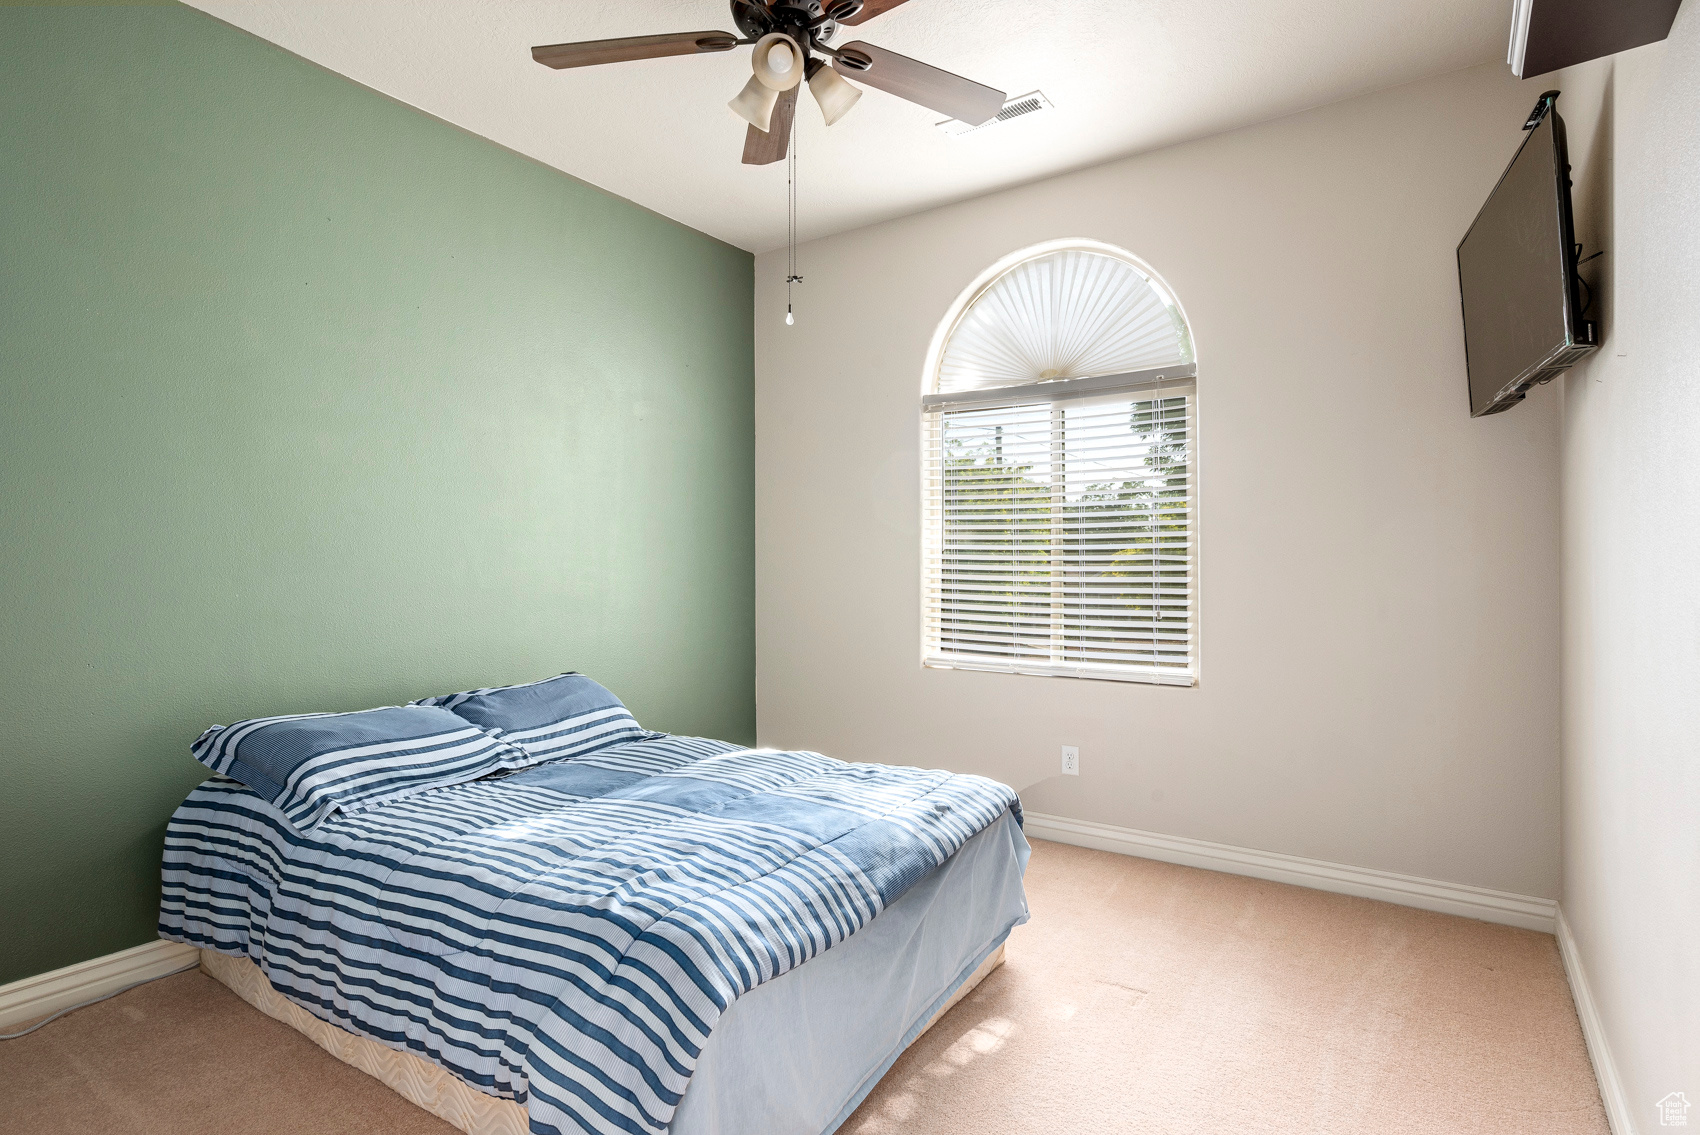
<point>1517,275</point>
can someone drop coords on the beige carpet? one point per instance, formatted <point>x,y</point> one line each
<point>1141,998</point>
<point>185,1056</point>
<point>1149,998</point>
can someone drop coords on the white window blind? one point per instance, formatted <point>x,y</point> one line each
<point>1058,520</point>
<point>1062,536</point>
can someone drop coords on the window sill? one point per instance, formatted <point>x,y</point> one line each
<point>1144,676</point>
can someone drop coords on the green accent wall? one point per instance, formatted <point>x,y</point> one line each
<point>310,401</point>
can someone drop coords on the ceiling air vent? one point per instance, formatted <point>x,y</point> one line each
<point>1015,108</point>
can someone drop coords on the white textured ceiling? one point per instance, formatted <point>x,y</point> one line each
<point>1125,75</point>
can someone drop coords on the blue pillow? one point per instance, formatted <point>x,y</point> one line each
<point>310,765</point>
<point>565,716</point>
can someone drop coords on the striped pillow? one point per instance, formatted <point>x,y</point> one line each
<point>565,716</point>
<point>310,765</point>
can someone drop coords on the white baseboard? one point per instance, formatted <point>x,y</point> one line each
<point>1406,890</point>
<point>45,993</point>
<point>1594,1032</point>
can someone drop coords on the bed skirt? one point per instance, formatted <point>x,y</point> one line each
<point>435,1089</point>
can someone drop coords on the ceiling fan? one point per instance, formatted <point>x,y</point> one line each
<point>788,35</point>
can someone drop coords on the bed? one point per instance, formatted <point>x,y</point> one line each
<point>654,933</point>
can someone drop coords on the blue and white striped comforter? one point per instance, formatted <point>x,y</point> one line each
<point>566,936</point>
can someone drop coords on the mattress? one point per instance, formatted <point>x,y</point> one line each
<point>854,959</point>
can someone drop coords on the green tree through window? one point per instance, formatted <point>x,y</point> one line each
<point>1037,538</point>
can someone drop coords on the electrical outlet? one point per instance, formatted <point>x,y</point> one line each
<point>1071,760</point>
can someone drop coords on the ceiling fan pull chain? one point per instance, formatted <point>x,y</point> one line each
<point>791,276</point>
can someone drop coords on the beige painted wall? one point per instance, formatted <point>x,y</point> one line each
<point>1379,584</point>
<point>1631,453</point>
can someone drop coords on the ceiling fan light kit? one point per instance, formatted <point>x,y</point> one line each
<point>777,61</point>
<point>792,41</point>
<point>755,103</point>
<point>832,94</point>
<point>778,65</point>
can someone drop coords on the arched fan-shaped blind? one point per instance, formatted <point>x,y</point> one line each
<point>1068,314</point>
<point>1059,502</point>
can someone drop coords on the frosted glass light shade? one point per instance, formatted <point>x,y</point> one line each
<point>777,62</point>
<point>755,104</point>
<point>833,94</point>
<point>1073,313</point>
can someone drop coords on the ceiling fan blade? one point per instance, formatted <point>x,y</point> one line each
<point>594,51</point>
<point>871,9</point>
<point>962,99</point>
<point>763,148</point>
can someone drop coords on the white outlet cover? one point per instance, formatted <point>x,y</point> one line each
<point>1071,760</point>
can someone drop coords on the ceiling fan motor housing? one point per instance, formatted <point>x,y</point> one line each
<point>799,19</point>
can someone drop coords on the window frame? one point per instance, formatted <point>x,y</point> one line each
<point>1176,378</point>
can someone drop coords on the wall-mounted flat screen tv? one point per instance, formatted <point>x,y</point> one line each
<point>1523,324</point>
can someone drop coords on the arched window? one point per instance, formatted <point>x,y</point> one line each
<point>1058,481</point>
